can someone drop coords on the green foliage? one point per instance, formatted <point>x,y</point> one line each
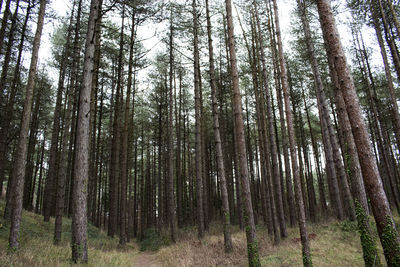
<point>348,226</point>
<point>153,240</point>
<point>77,249</point>
<point>306,259</point>
<point>370,252</point>
<point>37,249</point>
<point>390,243</point>
<point>254,259</point>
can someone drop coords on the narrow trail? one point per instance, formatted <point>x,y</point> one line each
<point>146,259</point>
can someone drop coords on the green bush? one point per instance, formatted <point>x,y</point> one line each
<point>152,240</point>
<point>348,226</point>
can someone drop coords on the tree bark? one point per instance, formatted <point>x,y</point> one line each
<point>69,97</point>
<point>288,175</point>
<point>292,144</point>
<point>33,133</point>
<point>393,99</point>
<point>39,190</point>
<point>115,168</point>
<point>20,161</point>
<point>81,170</point>
<point>252,246</point>
<point>5,123</point>
<point>49,190</point>
<point>171,195</point>
<point>199,175</point>
<point>272,142</point>
<point>372,180</point>
<point>323,114</point>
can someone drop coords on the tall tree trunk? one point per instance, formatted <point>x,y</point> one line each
<point>199,175</point>
<point>272,142</point>
<point>393,99</point>
<point>115,168</point>
<point>33,132</point>
<point>125,138</point>
<point>288,176</point>
<point>69,97</point>
<point>81,170</point>
<point>171,195</point>
<point>372,180</point>
<point>252,246</point>
<point>159,169</point>
<point>125,134</point>
<point>292,144</point>
<point>324,116</point>
<point>20,160</point>
<point>94,147</point>
<point>5,123</point>
<point>179,168</point>
<point>265,198</point>
<point>49,190</point>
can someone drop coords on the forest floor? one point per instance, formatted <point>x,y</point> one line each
<point>333,244</point>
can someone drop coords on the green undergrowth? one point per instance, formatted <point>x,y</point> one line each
<point>153,240</point>
<point>37,249</point>
<point>332,244</point>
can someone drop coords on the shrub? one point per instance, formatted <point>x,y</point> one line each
<point>152,240</point>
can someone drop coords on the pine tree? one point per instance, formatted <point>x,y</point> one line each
<point>81,171</point>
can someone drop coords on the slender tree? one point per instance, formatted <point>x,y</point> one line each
<point>292,145</point>
<point>217,137</point>
<point>21,153</point>
<point>171,175</point>
<point>252,246</point>
<point>81,170</point>
<point>272,143</point>
<point>62,171</point>
<point>199,175</point>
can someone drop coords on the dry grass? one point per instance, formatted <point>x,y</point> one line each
<point>333,244</point>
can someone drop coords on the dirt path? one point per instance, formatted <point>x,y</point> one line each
<point>145,259</point>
